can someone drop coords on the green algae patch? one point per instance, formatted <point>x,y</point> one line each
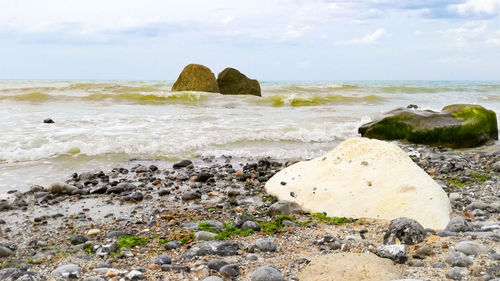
<point>321,217</point>
<point>229,230</point>
<point>130,241</point>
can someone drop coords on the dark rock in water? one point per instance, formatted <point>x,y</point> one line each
<point>48,121</point>
<point>233,82</point>
<point>61,188</point>
<point>266,273</point>
<point>216,264</point>
<point>196,77</point>
<point>230,271</point>
<point>284,208</point>
<point>458,125</point>
<point>182,164</point>
<point>414,106</point>
<point>406,230</point>
<point>79,239</point>
<point>134,196</point>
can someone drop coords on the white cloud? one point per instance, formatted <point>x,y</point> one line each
<point>464,34</point>
<point>478,7</point>
<point>495,39</point>
<point>295,32</point>
<point>418,32</point>
<point>457,60</point>
<point>371,38</point>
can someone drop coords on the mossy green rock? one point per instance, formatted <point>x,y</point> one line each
<point>196,77</point>
<point>233,82</point>
<point>457,125</point>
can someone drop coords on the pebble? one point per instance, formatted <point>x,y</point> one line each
<point>216,264</point>
<point>213,278</point>
<point>457,273</point>
<point>458,259</point>
<point>79,239</point>
<point>172,245</point>
<point>136,275</point>
<point>406,230</point>
<point>230,271</point>
<point>266,273</point>
<point>93,232</point>
<point>457,224</point>
<point>251,225</point>
<point>470,248</point>
<point>204,235</point>
<point>265,245</point>
<point>68,271</point>
<point>284,208</point>
<point>5,252</point>
<point>163,259</point>
<point>182,164</point>
<point>396,253</point>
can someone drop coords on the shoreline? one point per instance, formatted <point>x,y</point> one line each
<point>224,191</point>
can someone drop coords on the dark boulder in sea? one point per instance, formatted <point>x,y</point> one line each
<point>48,121</point>
<point>457,125</point>
<point>233,82</point>
<point>196,77</point>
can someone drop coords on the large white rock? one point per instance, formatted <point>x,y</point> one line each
<point>364,178</point>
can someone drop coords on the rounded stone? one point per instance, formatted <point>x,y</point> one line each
<point>265,245</point>
<point>266,273</point>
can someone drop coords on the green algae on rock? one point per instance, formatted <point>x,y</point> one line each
<point>456,126</point>
<point>233,82</point>
<point>196,77</point>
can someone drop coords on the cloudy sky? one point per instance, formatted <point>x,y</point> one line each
<point>266,39</point>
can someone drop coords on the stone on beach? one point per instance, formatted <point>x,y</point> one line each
<point>457,125</point>
<point>350,267</point>
<point>196,77</point>
<point>364,178</point>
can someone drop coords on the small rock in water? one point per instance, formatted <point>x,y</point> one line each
<point>48,121</point>
<point>182,164</point>
<point>266,273</point>
<point>406,230</point>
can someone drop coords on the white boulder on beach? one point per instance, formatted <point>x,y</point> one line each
<point>364,178</point>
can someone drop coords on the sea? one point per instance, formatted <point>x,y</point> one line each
<point>104,124</point>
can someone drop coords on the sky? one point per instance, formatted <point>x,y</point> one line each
<point>270,40</point>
